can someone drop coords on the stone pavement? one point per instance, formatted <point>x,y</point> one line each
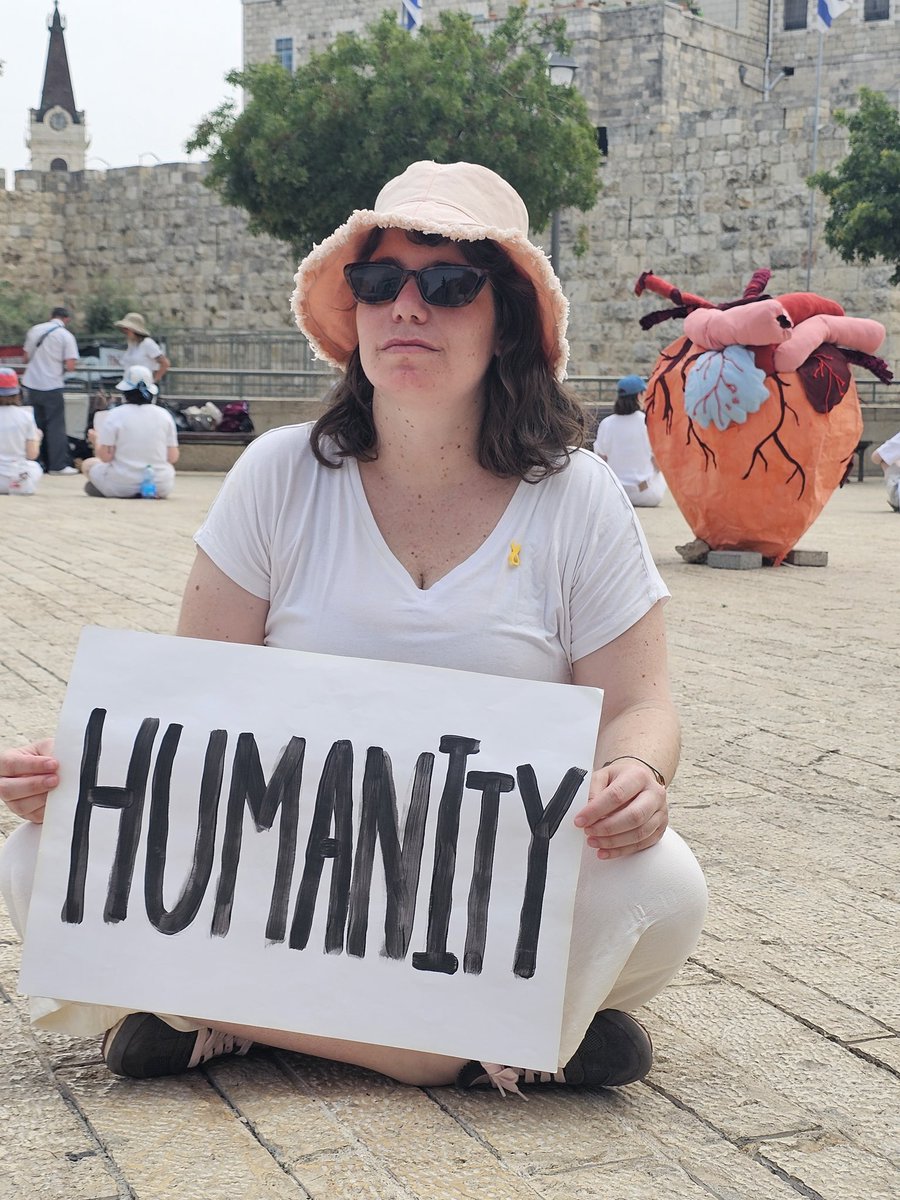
<point>777,1047</point>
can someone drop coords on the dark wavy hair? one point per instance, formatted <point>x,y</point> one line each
<point>531,422</point>
<point>626,403</point>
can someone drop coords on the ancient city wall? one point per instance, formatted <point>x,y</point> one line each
<point>157,233</point>
<point>704,182</point>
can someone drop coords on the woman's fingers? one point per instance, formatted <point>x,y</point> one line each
<point>627,810</point>
<point>27,774</point>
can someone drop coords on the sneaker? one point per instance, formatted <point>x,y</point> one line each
<point>141,1046</point>
<point>615,1050</point>
<point>65,471</point>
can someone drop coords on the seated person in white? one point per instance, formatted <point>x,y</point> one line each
<point>622,441</point>
<point>132,437</point>
<point>887,456</point>
<point>20,440</point>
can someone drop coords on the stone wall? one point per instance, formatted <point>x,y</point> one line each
<point>156,232</point>
<point>704,181</point>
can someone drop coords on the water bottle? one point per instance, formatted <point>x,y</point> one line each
<point>148,484</point>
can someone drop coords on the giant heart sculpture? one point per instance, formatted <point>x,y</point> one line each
<point>753,414</point>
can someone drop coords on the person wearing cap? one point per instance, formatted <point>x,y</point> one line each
<point>622,441</point>
<point>142,350</point>
<point>20,440</point>
<point>131,437</point>
<point>441,512</point>
<point>51,352</point>
<point>887,456</point>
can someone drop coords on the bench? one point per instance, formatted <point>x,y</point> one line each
<point>861,449</point>
<point>212,437</point>
<point>209,450</point>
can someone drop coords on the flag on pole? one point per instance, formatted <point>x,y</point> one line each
<point>411,13</point>
<point>827,11</point>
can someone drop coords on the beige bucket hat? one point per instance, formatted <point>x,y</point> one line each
<point>135,322</point>
<point>462,201</point>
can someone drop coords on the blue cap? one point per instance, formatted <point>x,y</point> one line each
<point>631,385</point>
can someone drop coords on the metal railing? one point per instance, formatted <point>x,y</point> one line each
<point>187,384</point>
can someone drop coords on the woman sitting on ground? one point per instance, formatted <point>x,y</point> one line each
<point>438,513</point>
<point>622,441</point>
<point>131,438</point>
<point>20,440</point>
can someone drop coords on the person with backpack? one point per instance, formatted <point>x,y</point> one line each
<point>50,352</point>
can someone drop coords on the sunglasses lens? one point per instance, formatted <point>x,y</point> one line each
<point>450,286</point>
<point>375,283</point>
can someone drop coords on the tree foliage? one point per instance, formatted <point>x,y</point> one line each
<point>311,147</point>
<point>864,188</point>
<point>19,310</point>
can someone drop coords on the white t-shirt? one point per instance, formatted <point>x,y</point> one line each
<point>141,434</point>
<point>622,440</point>
<point>17,427</point>
<point>303,537</point>
<point>144,354</point>
<point>46,362</point>
<point>890,451</point>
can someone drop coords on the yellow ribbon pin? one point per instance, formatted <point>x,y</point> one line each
<point>514,552</point>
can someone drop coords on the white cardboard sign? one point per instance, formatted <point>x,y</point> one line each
<point>372,851</point>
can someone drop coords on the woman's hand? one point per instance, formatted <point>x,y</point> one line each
<point>626,809</point>
<point>27,774</point>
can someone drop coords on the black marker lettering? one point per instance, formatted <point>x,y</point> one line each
<point>436,956</point>
<point>402,863</point>
<point>492,784</point>
<point>249,787</point>
<point>544,823</point>
<point>334,800</point>
<point>129,799</point>
<point>194,889</point>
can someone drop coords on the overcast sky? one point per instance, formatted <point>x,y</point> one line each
<point>144,74</point>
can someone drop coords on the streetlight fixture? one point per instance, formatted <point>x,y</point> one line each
<point>561,68</point>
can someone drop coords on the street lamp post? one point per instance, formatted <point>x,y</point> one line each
<point>561,68</point>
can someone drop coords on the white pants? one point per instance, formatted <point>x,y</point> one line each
<point>118,482</point>
<point>24,479</point>
<point>650,494</point>
<point>636,921</point>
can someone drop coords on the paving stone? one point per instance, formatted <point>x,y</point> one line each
<point>777,1051</point>
<point>734,560</point>
<point>807,558</point>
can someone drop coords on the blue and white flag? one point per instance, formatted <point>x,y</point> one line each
<point>411,14</point>
<point>827,11</point>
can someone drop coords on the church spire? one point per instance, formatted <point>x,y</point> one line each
<point>57,91</point>
<point>57,135</point>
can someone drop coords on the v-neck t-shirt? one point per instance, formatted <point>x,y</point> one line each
<point>565,570</point>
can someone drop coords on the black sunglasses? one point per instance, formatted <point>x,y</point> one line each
<point>450,285</point>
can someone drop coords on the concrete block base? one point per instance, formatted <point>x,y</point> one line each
<point>734,560</point>
<point>807,558</point>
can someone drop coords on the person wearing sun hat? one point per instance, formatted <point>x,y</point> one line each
<point>142,350</point>
<point>20,440</point>
<point>442,511</point>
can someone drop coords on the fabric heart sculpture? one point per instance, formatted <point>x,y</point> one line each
<point>753,413</point>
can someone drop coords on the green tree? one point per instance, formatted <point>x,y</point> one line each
<point>19,310</point>
<point>309,148</point>
<point>864,188</point>
<point>106,302</point>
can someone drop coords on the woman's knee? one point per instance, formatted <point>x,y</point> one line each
<point>18,859</point>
